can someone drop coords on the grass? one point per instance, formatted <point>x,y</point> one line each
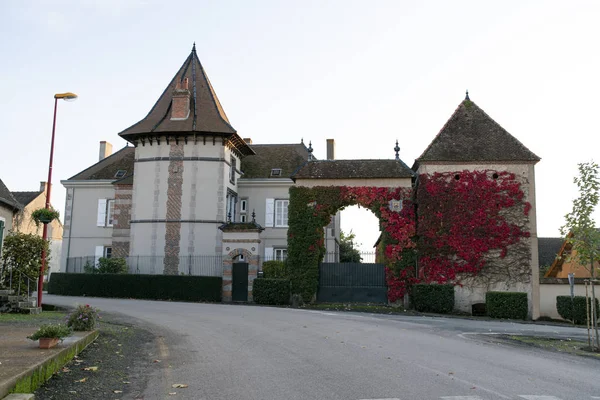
<point>576,347</point>
<point>44,317</point>
<point>372,308</point>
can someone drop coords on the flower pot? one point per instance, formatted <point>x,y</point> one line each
<point>45,220</point>
<point>47,343</point>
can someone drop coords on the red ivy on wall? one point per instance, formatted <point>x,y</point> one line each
<point>462,216</point>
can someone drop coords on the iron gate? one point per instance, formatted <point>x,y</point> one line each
<point>352,282</point>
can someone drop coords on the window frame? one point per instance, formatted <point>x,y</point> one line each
<point>284,221</point>
<point>283,252</point>
<point>107,253</point>
<point>233,163</point>
<point>110,213</point>
<point>243,206</point>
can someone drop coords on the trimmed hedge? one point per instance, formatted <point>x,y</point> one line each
<point>512,305</point>
<point>271,291</point>
<point>433,298</point>
<point>134,286</point>
<point>275,270</point>
<point>563,306</point>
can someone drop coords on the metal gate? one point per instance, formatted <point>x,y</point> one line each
<point>239,286</point>
<point>352,282</point>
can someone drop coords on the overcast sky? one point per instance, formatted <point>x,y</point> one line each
<point>362,72</point>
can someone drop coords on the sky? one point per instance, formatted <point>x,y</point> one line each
<point>364,73</point>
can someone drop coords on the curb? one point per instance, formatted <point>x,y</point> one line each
<point>28,381</point>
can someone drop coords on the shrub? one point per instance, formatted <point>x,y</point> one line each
<point>112,266</point>
<point>22,257</point>
<point>51,331</point>
<point>44,216</point>
<point>512,305</point>
<point>134,286</point>
<point>433,298</point>
<point>275,270</point>
<point>575,312</point>
<point>83,318</point>
<point>271,291</point>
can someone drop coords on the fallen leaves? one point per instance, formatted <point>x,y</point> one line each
<point>81,380</point>
<point>117,391</point>
<point>156,361</point>
<point>179,385</point>
<point>90,369</point>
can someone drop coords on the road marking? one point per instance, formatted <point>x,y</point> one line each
<point>539,397</point>
<point>395,398</point>
<point>461,398</point>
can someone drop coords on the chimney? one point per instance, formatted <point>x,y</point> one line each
<point>330,149</point>
<point>43,186</point>
<point>248,140</point>
<point>105,150</point>
<point>180,108</point>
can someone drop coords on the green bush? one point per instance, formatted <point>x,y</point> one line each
<point>57,331</point>
<point>433,298</point>
<point>134,286</point>
<point>271,291</point>
<point>565,310</point>
<point>83,318</point>
<point>512,305</point>
<point>275,270</point>
<point>112,266</point>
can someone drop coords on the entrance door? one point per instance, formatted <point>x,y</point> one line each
<point>240,282</point>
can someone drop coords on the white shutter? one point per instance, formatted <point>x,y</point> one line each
<point>101,221</point>
<point>99,253</point>
<point>269,254</point>
<point>269,213</point>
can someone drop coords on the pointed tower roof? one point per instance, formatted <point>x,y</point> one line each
<point>206,115</point>
<point>472,135</point>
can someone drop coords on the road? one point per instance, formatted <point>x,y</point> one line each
<point>230,352</point>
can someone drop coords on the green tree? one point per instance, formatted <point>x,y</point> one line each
<point>580,228</point>
<point>348,248</point>
<point>22,259</point>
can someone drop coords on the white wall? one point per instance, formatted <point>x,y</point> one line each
<point>548,293</point>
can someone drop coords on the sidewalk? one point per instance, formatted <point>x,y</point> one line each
<point>24,366</point>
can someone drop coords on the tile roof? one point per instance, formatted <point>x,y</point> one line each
<point>472,135</point>
<point>354,169</point>
<point>7,198</point>
<point>206,113</point>
<point>26,197</point>
<point>287,157</point>
<point>108,167</point>
<point>548,248</point>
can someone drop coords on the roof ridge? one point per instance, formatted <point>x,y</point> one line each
<point>103,160</point>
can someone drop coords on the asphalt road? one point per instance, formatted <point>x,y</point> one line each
<point>230,352</point>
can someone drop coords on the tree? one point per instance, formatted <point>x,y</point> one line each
<point>22,260</point>
<point>580,228</point>
<point>348,250</point>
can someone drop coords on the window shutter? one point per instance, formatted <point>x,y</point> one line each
<point>269,256</point>
<point>269,213</point>
<point>99,253</point>
<point>101,221</point>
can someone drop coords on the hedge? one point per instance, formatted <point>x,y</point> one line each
<point>275,270</point>
<point>134,286</point>
<point>512,305</point>
<point>563,306</point>
<point>271,291</point>
<point>433,298</point>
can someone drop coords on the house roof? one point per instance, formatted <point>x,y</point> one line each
<point>548,249</point>
<point>567,262</point>
<point>206,113</point>
<point>7,198</point>
<point>472,135</point>
<point>287,157</point>
<point>353,169</point>
<point>108,167</point>
<point>26,197</point>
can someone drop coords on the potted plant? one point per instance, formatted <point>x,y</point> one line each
<point>49,335</point>
<point>44,215</point>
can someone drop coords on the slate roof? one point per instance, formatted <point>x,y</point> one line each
<point>288,157</point>
<point>26,197</point>
<point>472,135</point>
<point>206,113</point>
<point>354,169</point>
<point>108,167</point>
<point>7,198</point>
<point>548,248</point>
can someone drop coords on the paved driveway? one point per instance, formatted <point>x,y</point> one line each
<point>227,352</point>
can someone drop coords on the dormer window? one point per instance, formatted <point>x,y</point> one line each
<point>276,172</point>
<point>120,173</point>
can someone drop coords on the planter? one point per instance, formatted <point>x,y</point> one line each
<point>47,343</point>
<point>45,220</point>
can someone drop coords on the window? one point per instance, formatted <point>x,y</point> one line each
<point>276,172</point>
<point>281,213</point>
<point>106,212</point>
<point>108,252</point>
<point>230,206</point>
<point>244,205</point>
<point>280,254</point>
<point>233,166</point>
<point>120,173</point>
<point>242,218</point>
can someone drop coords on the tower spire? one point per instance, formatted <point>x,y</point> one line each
<point>397,150</point>
<point>467,96</point>
<point>194,48</point>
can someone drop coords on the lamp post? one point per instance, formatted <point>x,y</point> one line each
<point>68,97</point>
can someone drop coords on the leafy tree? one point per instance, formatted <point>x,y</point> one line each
<point>348,248</point>
<point>22,258</point>
<point>580,227</point>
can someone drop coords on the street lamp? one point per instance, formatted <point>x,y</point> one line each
<point>68,96</point>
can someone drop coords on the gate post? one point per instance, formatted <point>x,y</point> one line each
<point>240,239</point>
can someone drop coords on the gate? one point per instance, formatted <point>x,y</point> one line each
<point>352,282</point>
<point>239,284</point>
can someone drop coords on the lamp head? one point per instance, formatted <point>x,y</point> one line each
<point>68,96</point>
